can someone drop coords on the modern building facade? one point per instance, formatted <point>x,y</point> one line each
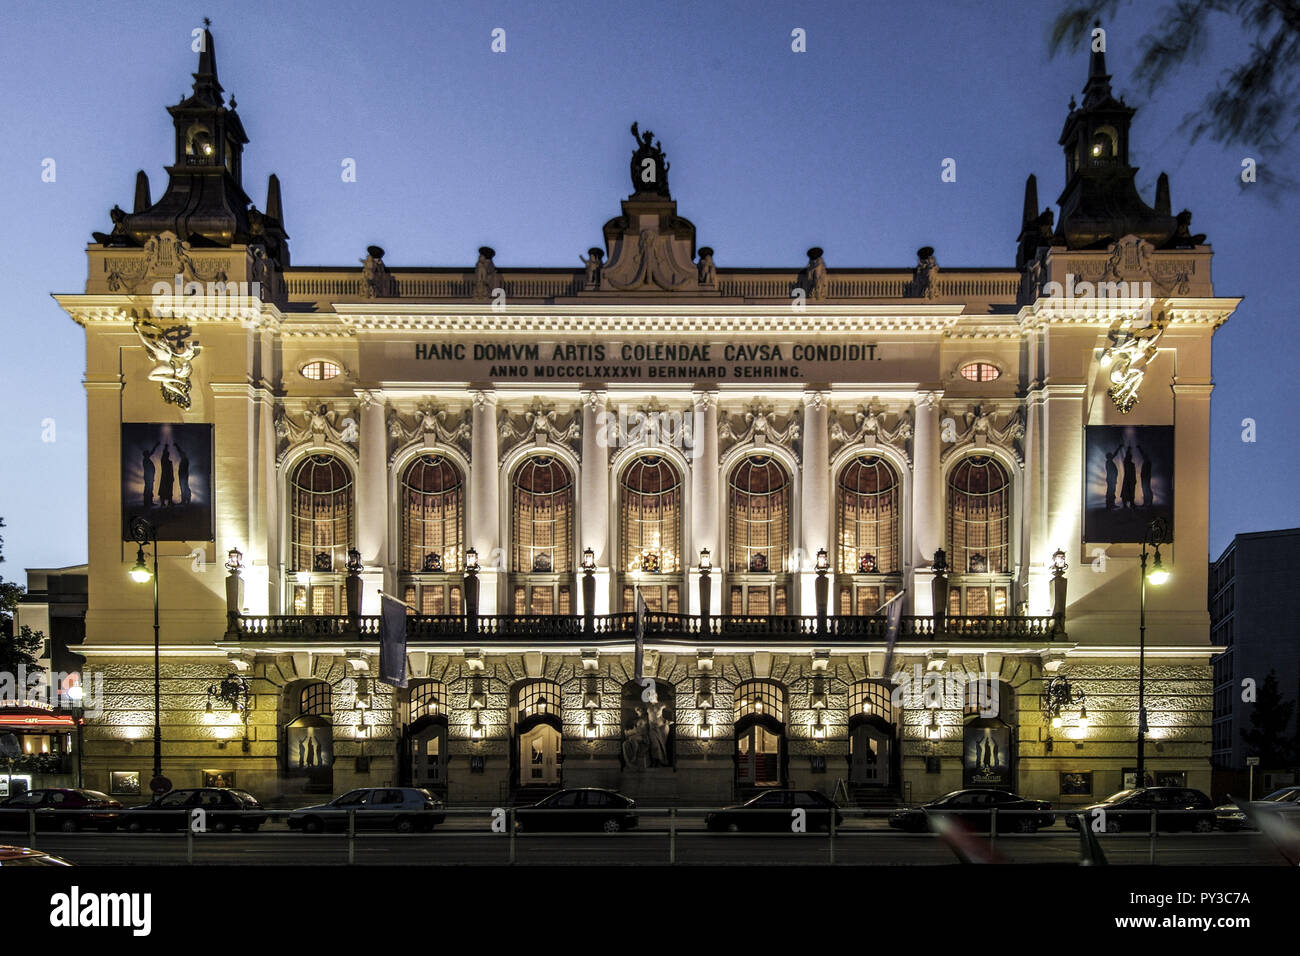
<point>1255,618</point>
<point>769,455</point>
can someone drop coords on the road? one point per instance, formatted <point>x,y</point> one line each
<point>458,843</point>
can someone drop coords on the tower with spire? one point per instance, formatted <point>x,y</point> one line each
<point>1100,202</point>
<point>204,203</point>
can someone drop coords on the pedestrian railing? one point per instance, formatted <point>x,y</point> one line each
<point>521,835</point>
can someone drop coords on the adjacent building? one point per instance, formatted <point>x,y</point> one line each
<point>1255,618</point>
<point>768,456</point>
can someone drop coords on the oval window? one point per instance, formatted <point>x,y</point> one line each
<point>321,370</point>
<point>980,372</point>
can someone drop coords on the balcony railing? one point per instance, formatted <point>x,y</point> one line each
<point>570,627</point>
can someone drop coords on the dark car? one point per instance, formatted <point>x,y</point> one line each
<point>974,808</point>
<point>583,808</point>
<point>1286,801</point>
<point>58,808</point>
<point>773,811</point>
<point>1178,808</point>
<point>404,809</point>
<point>223,809</point>
<point>25,856</point>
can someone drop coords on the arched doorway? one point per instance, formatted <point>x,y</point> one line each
<point>423,752</point>
<point>873,737</point>
<point>989,739</point>
<point>760,736</point>
<point>307,740</point>
<point>538,753</point>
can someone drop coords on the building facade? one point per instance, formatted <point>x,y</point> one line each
<point>1254,616</point>
<point>769,455</point>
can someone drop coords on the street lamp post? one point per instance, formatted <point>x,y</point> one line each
<point>706,590</point>
<point>588,591</point>
<point>821,589</point>
<point>144,532</point>
<point>1157,531</point>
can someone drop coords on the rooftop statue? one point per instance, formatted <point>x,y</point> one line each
<point>649,166</point>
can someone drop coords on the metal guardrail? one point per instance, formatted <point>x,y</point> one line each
<point>674,825</point>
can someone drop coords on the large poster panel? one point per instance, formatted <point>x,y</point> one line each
<point>1128,481</point>
<point>986,757</point>
<point>167,478</point>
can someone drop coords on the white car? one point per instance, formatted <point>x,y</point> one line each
<point>1286,801</point>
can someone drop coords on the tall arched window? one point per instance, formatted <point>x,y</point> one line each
<point>433,515</point>
<point>541,516</point>
<point>979,538</point>
<point>758,537</point>
<point>320,513</point>
<point>650,534</point>
<point>979,517</point>
<point>542,511</point>
<point>651,520</point>
<point>868,509</point>
<point>758,515</point>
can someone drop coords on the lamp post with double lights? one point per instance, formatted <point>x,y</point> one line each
<point>821,589</point>
<point>706,592</point>
<point>471,592</point>
<point>588,590</point>
<point>1157,532</point>
<point>144,532</point>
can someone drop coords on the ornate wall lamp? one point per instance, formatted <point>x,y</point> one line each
<point>706,592</point>
<point>588,590</point>
<point>821,588</point>
<point>233,693</point>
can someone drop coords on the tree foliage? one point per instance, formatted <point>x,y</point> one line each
<point>23,647</point>
<point>1255,105</point>
<point>1270,719</point>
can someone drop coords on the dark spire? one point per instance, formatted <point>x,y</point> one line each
<point>1097,90</point>
<point>1031,201</point>
<point>273,206</point>
<point>142,200</point>
<point>1162,195</point>
<point>207,89</point>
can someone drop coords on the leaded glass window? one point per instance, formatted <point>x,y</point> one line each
<point>650,522</point>
<point>868,513</point>
<point>760,697</point>
<point>320,513</point>
<point>979,517</point>
<point>542,513</point>
<point>433,515</point>
<point>758,516</point>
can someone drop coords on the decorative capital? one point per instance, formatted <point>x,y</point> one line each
<point>484,399</point>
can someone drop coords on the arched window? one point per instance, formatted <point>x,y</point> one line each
<point>758,516</point>
<point>428,699</point>
<point>868,509</point>
<point>433,514</point>
<point>979,517</point>
<point>316,700</point>
<point>320,513</point>
<point>539,697</point>
<point>871,698</point>
<point>542,516</point>
<point>650,524</point>
<point>765,697</point>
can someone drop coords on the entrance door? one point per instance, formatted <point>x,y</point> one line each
<point>760,757</point>
<point>539,752</point>
<point>428,766</point>
<point>869,757</point>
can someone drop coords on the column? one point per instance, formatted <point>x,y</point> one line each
<point>816,499</point>
<point>484,500</point>
<point>927,500</point>
<point>593,502</point>
<point>372,500</point>
<point>705,499</point>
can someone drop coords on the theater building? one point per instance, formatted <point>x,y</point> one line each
<point>769,454</point>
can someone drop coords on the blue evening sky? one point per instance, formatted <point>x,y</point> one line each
<point>527,151</point>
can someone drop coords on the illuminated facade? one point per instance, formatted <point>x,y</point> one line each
<point>769,455</point>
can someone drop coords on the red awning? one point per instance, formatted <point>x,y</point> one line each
<point>33,720</point>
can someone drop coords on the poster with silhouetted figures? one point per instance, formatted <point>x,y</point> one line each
<point>167,478</point>
<point>1128,481</point>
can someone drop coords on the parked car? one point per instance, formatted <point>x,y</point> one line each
<point>580,809</point>
<point>974,809</point>
<point>60,808</point>
<point>224,809</point>
<point>404,809</point>
<point>1228,816</point>
<point>25,856</point>
<point>772,811</point>
<point>1178,808</point>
